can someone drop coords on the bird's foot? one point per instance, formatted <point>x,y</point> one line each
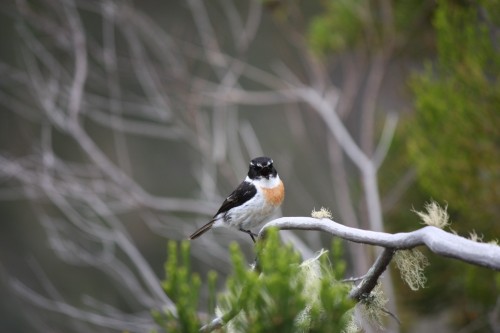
<point>253,235</point>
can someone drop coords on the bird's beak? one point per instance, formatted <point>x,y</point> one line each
<point>266,172</point>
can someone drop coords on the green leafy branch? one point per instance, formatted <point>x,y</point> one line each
<point>280,294</point>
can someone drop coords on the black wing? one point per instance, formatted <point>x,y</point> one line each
<point>244,192</point>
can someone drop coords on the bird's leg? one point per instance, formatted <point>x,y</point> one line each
<point>250,233</point>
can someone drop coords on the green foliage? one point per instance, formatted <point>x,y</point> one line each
<point>282,294</point>
<point>347,24</point>
<point>183,288</point>
<point>454,138</point>
<point>340,26</point>
<point>407,14</point>
<point>286,295</point>
<point>454,145</point>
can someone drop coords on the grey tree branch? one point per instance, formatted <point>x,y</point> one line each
<point>438,241</point>
<point>370,280</point>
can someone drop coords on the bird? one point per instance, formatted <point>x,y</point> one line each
<point>252,202</point>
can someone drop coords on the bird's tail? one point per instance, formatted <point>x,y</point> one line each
<point>202,230</point>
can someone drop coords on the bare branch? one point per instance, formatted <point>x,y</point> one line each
<point>438,241</point>
<point>337,128</point>
<point>370,280</point>
<point>80,56</point>
<point>403,184</point>
<point>384,144</point>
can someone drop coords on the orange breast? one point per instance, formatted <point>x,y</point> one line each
<point>274,196</point>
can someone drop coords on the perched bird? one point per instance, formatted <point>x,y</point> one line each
<point>253,201</point>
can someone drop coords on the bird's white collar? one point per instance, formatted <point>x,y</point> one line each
<point>265,183</point>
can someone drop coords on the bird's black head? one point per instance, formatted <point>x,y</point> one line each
<point>261,167</point>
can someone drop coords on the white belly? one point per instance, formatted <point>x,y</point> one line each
<point>247,216</point>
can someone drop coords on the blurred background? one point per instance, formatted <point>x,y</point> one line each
<point>125,124</point>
